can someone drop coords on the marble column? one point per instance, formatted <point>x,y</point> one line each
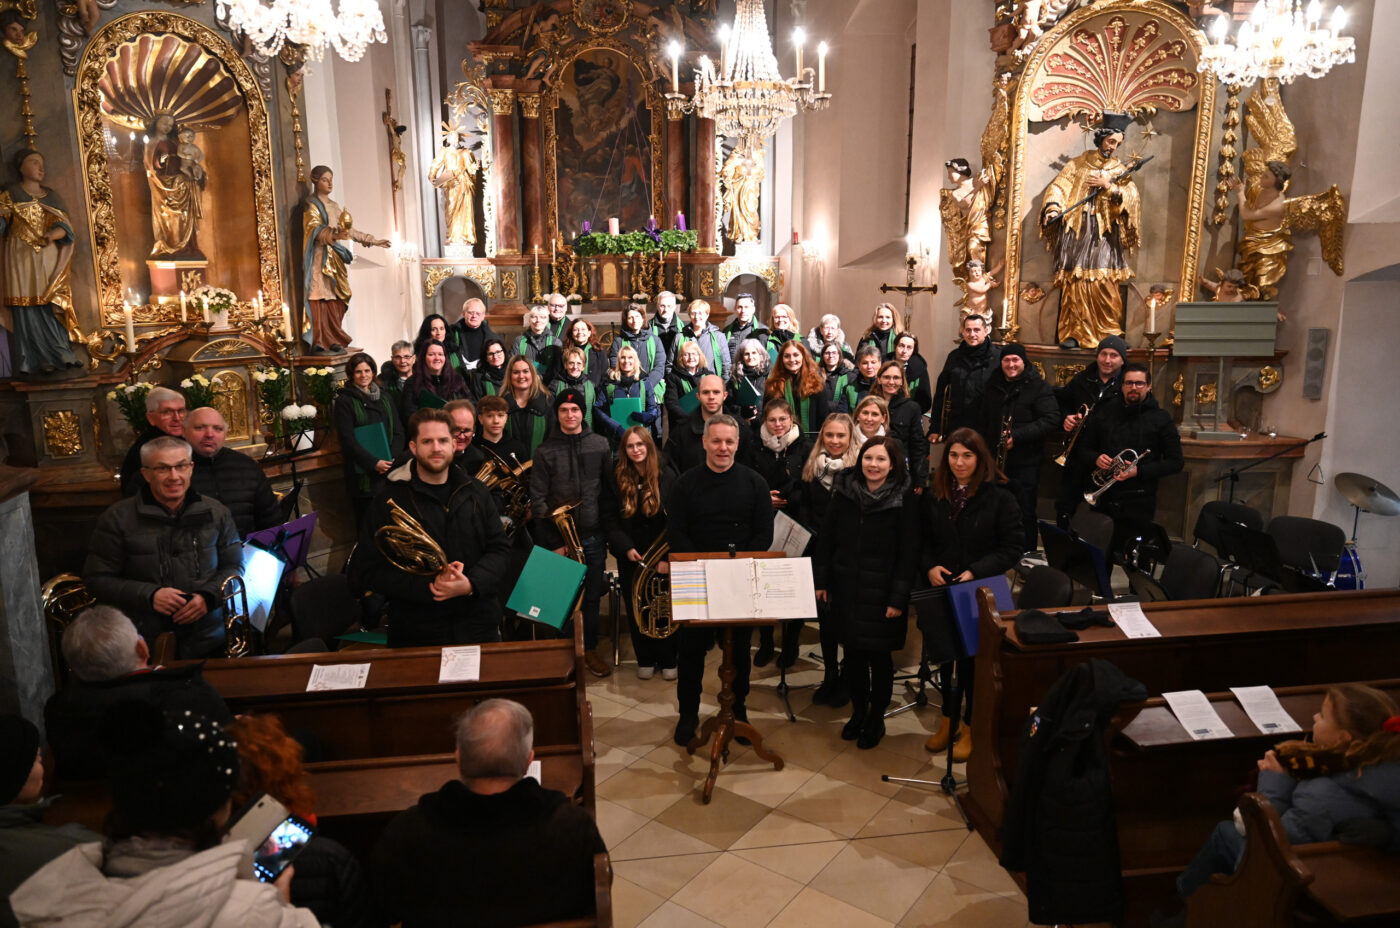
<point>532,162</point>
<point>427,123</point>
<point>26,674</point>
<point>705,185</point>
<point>507,184</point>
<point>675,163</point>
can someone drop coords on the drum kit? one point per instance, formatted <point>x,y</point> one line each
<point>1365,495</point>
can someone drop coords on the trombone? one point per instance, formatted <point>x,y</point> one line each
<point>1106,477</point>
<point>1083,414</point>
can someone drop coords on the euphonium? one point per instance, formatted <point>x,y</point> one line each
<point>1105,477</point>
<point>512,481</point>
<point>1063,459</point>
<point>408,546</point>
<point>651,592</point>
<point>238,630</point>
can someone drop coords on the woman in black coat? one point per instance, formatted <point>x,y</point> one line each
<point>490,375</point>
<point>782,450</point>
<point>360,402</point>
<point>432,375</point>
<point>682,380</point>
<point>906,422</point>
<point>867,553</point>
<point>972,529</point>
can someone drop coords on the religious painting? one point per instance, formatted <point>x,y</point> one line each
<point>605,150</point>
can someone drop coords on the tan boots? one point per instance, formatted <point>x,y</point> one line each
<point>938,741</point>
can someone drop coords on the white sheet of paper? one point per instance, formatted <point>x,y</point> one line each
<point>789,536</point>
<point>1261,704</point>
<point>536,770</point>
<point>688,603</point>
<point>1195,713</point>
<point>337,677</point>
<point>1132,620</point>
<point>785,588</point>
<point>729,588</point>
<point>460,664</point>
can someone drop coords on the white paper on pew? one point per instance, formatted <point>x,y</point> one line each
<point>337,677</point>
<point>1132,620</point>
<point>460,665</point>
<point>536,770</point>
<point>1261,704</point>
<point>1195,713</point>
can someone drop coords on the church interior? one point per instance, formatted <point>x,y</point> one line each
<point>947,159</point>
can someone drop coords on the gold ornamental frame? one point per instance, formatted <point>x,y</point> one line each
<point>1200,158</point>
<point>97,181</point>
<point>655,105</point>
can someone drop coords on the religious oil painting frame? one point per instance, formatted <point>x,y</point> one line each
<point>650,98</point>
<point>98,185</point>
<point>1095,17</point>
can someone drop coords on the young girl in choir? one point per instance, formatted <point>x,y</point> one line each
<point>634,510</point>
<point>798,381</point>
<point>885,327</point>
<point>750,378</point>
<point>872,418</point>
<point>682,381</point>
<point>537,342</point>
<point>431,375</point>
<point>361,403</point>
<point>572,374</point>
<point>490,375</point>
<point>835,451</point>
<point>906,352</point>
<point>581,335</point>
<point>625,382</point>
<point>851,388</point>
<point>906,423</point>
<point>527,419</point>
<point>865,561</point>
<point>972,529</point>
<point>782,451</point>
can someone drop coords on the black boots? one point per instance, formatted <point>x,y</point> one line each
<point>853,728</point>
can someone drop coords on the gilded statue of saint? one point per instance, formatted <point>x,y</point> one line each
<point>743,181</point>
<point>1091,244</point>
<point>454,173</point>
<point>326,262</point>
<point>176,191</point>
<point>1265,243</point>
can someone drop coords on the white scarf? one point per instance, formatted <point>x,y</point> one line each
<point>827,468</point>
<point>880,433</point>
<point>775,444</point>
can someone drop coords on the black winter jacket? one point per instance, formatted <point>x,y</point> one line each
<point>328,880</point>
<point>1142,427</point>
<point>907,424</point>
<point>1034,415</point>
<point>917,376</point>
<point>782,470</point>
<point>353,409</point>
<point>640,530</point>
<point>650,351</point>
<point>667,335</point>
<point>965,372</point>
<point>679,383</point>
<point>237,481</point>
<point>470,342</point>
<point>568,469</point>
<point>485,381</point>
<point>1086,389</point>
<point>529,424</point>
<point>986,538</point>
<point>866,558</point>
<point>131,479</point>
<point>1060,827</point>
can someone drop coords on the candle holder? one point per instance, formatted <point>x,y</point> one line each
<point>678,285</point>
<point>1151,339</point>
<point>536,290</point>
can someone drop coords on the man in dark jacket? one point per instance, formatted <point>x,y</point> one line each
<point>684,447</point>
<point>963,381</point>
<point>495,845</point>
<point>568,470</point>
<point>460,604</point>
<point>471,332</point>
<point>744,326</point>
<point>1139,424</point>
<point>666,325</point>
<point>1019,397</point>
<point>165,411</point>
<point>228,476</point>
<point>162,556</point>
<point>465,453</point>
<point>1101,382</point>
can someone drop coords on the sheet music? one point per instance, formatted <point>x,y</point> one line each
<point>766,588</point>
<point>1261,704</point>
<point>789,536</point>
<point>337,677</point>
<point>730,588</point>
<point>1195,713</point>
<point>536,770</point>
<point>1132,620</point>
<point>688,603</point>
<point>460,665</point>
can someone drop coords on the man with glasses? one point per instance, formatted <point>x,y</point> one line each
<point>162,555</point>
<point>466,454</point>
<point>165,411</point>
<point>396,371</point>
<point>472,331</point>
<point>558,308</point>
<point>1140,424</point>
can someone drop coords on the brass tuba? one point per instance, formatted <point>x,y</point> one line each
<point>407,545</point>
<point>1105,477</point>
<point>651,593</point>
<point>238,630</point>
<point>512,482</point>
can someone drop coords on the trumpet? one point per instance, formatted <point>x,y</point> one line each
<point>1004,441</point>
<point>651,593</point>
<point>1105,477</point>
<point>1083,414</point>
<point>408,546</point>
<point>512,481</point>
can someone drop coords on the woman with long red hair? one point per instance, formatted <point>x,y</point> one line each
<point>798,379</point>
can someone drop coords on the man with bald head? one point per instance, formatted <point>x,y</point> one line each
<point>685,448</point>
<point>472,332</point>
<point>496,841</point>
<point>228,476</point>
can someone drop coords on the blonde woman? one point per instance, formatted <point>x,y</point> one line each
<point>683,380</point>
<point>885,328</point>
<point>625,382</point>
<point>527,420</point>
<point>872,417</point>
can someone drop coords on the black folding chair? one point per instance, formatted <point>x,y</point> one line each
<point>1045,588</point>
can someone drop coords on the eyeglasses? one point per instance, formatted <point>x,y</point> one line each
<point>1135,385</point>
<point>463,433</point>
<point>176,413</point>
<point>165,470</point>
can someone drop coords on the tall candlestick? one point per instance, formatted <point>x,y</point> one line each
<point>130,329</point>
<point>182,306</point>
<point>821,68</point>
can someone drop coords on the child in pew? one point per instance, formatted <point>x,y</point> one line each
<point>1343,784</point>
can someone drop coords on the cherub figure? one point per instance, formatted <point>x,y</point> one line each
<point>976,287</point>
<point>1229,287</point>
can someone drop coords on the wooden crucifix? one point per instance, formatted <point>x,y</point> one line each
<point>398,161</point>
<point>911,262</point>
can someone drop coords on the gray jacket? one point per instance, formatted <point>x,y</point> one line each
<point>568,469</point>
<point>139,546</point>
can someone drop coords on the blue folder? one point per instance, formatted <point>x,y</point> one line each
<point>963,599</point>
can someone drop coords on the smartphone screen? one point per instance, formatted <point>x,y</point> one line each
<point>284,843</point>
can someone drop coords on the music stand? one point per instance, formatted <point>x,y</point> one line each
<point>291,541</point>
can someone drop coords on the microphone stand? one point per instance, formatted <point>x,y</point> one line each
<point>1233,474</point>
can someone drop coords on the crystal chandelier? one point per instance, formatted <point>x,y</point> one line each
<point>1278,41</point>
<point>311,23</point>
<point>747,97</point>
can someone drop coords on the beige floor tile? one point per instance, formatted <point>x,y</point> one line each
<point>636,731</point>
<point>645,787</point>
<point>910,743</point>
<point>671,915</point>
<point>664,875</point>
<point>617,823</point>
<point>929,849</point>
<point>873,880</point>
<point>619,688</point>
<point>756,779</point>
<point>724,820</point>
<point>631,903</point>
<point>975,864</point>
<point>833,804</point>
<point>798,862</point>
<point>737,893</point>
<point>951,903</point>
<point>817,908</point>
<point>608,760</point>
<point>656,840</point>
<point>864,768</point>
<point>807,744</point>
<point>779,829</point>
<point>604,707</point>
<point>934,812</point>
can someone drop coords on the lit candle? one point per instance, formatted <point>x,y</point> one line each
<point>798,37</point>
<point>1339,21</point>
<point>537,257</point>
<point>724,52</point>
<point>286,322</point>
<point>821,68</point>
<point>613,227</point>
<point>204,304</point>
<point>258,307</point>
<point>182,306</point>
<point>130,328</point>
<point>675,49</point>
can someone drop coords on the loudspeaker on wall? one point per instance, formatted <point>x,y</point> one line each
<point>1315,363</point>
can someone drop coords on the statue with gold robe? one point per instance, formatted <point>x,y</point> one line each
<point>454,173</point>
<point>1092,243</point>
<point>176,193</point>
<point>743,182</point>
<point>325,271</point>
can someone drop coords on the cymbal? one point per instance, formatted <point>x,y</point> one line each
<point>1367,494</point>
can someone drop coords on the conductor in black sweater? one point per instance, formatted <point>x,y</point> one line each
<point>715,507</point>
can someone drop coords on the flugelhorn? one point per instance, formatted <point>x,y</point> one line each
<point>408,546</point>
<point>1063,459</point>
<point>651,592</point>
<point>1105,477</point>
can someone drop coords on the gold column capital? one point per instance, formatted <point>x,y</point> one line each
<point>530,105</point>
<point>502,102</point>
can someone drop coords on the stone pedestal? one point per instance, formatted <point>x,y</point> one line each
<point>26,672</point>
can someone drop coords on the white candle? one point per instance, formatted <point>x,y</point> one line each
<point>286,321</point>
<point>182,306</point>
<point>1152,315</point>
<point>537,257</point>
<point>723,52</point>
<point>821,68</point>
<point>613,227</point>
<point>551,251</point>
<point>675,50</point>
<point>204,304</point>
<point>130,329</point>
<point>258,307</point>
<point>798,37</point>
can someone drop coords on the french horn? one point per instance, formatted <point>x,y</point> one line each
<point>408,546</point>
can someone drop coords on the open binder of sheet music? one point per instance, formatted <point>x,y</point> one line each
<point>725,589</point>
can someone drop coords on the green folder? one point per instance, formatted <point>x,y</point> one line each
<point>547,588</point>
<point>689,402</point>
<point>374,439</point>
<point>748,396</point>
<point>430,400</point>
<point>365,637</point>
<point>622,407</point>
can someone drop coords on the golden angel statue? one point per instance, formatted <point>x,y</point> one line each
<point>1092,239</point>
<point>966,206</point>
<point>743,181</point>
<point>1269,216</point>
<point>454,173</point>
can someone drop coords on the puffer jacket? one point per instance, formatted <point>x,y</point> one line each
<point>1315,809</point>
<point>568,469</point>
<point>27,844</point>
<point>237,481</point>
<point>678,384</point>
<point>866,556</point>
<point>965,373</point>
<point>202,890</point>
<point>650,351</point>
<point>139,546</point>
<point>779,462</point>
<point>625,388</point>
<point>713,345</point>
<point>541,348</point>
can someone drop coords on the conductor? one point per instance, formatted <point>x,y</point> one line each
<point>716,506</point>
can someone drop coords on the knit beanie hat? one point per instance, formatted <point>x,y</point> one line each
<point>19,743</point>
<point>1036,627</point>
<point>1018,350</point>
<point>1117,344</point>
<point>570,396</point>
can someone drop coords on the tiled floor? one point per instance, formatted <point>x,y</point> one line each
<point>821,842</point>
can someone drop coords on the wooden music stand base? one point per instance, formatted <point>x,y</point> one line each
<point>724,726</point>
